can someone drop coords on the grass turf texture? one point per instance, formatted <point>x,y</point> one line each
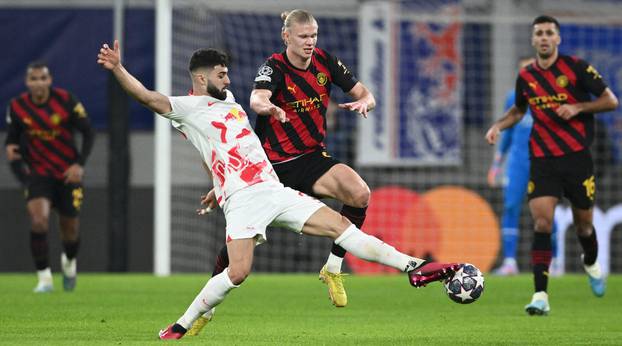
<point>294,309</point>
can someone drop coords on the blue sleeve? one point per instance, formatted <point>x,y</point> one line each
<point>506,136</point>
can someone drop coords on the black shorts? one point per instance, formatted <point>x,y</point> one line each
<point>570,175</point>
<point>302,173</point>
<point>65,198</point>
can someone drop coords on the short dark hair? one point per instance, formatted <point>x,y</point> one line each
<point>546,19</point>
<point>37,64</point>
<point>208,57</point>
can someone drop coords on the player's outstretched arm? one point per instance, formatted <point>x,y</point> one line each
<point>511,118</point>
<point>364,100</point>
<point>260,103</point>
<point>110,59</point>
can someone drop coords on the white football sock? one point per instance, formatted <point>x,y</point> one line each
<point>211,295</point>
<point>593,270</point>
<point>333,264</point>
<point>70,266</point>
<point>372,249</point>
<point>45,275</point>
<point>509,261</point>
<point>210,313</point>
<point>541,295</point>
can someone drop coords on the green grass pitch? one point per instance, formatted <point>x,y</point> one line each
<point>295,310</point>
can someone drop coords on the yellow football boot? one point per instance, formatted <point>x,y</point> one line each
<point>198,325</point>
<point>336,291</point>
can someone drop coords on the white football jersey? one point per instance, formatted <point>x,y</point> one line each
<point>220,130</point>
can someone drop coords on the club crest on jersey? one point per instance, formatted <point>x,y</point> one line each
<point>561,81</point>
<point>264,73</point>
<point>236,114</point>
<point>321,79</point>
<point>55,118</point>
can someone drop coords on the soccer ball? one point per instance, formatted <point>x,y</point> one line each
<point>466,285</point>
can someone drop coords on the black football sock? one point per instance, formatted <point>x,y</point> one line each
<point>590,248</point>
<point>71,248</point>
<point>222,261</point>
<point>39,249</point>
<point>541,253</point>
<point>357,217</point>
<point>177,328</point>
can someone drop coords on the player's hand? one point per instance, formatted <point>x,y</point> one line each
<point>209,201</point>
<point>492,176</point>
<point>12,152</point>
<point>355,106</point>
<point>278,113</point>
<point>109,58</point>
<point>492,134</point>
<point>567,111</point>
<point>73,174</point>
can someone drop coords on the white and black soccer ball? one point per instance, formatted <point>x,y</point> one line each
<point>466,285</point>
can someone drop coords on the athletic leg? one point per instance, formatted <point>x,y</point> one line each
<point>39,213</point>
<point>542,210</point>
<point>344,184</point>
<point>240,264</point>
<point>70,238</point>
<point>328,223</point>
<point>589,243</point>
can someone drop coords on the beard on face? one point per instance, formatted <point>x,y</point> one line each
<point>215,93</point>
<point>545,55</point>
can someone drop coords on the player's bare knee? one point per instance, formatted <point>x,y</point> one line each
<point>238,275</point>
<point>543,225</point>
<point>584,229</point>
<point>339,227</point>
<point>361,197</point>
<point>39,224</point>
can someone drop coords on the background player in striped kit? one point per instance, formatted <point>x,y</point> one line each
<point>41,129</point>
<point>513,149</point>
<point>558,89</point>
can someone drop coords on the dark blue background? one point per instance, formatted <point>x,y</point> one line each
<point>68,40</point>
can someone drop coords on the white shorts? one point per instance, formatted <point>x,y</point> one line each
<point>250,211</point>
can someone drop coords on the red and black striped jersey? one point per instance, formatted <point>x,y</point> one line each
<point>304,96</point>
<point>569,80</point>
<point>45,132</point>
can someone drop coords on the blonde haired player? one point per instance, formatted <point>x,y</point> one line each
<point>245,185</point>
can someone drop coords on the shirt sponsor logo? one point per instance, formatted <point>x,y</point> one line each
<point>44,135</point>
<point>307,105</point>
<point>548,101</point>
